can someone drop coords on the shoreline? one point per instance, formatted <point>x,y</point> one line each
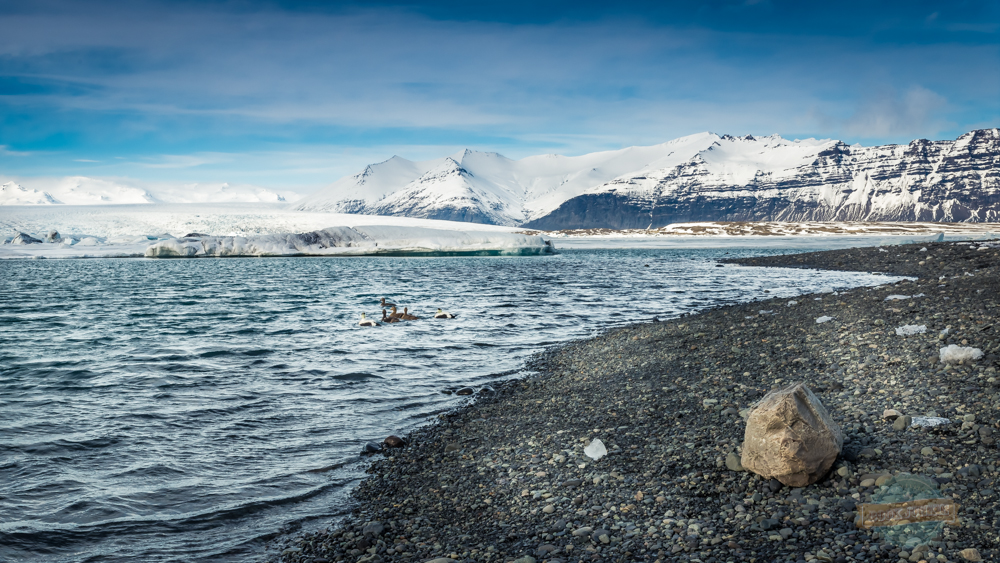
<point>505,478</point>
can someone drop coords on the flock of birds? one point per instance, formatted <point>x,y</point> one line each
<point>393,316</point>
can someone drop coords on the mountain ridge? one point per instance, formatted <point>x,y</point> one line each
<point>699,177</point>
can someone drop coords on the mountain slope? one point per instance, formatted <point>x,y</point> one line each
<point>486,187</point>
<point>733,180</point>
<point>14,194</point>
<point>695,178</point>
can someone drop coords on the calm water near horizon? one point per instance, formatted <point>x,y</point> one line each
<point>187,410</point>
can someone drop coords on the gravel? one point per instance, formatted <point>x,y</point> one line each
<point>506,478</point>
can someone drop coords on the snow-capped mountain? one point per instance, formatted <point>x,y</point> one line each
<point>696,178</point>
<point>14,194</point>
<point>486,187</point>
<point>83,190</point>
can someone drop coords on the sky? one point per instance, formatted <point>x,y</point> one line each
<point>293,95</point>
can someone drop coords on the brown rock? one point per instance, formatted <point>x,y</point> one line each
<point>891,414</point>
<point>394,442</point>
<point>971,554</point>
<point>791,437</point>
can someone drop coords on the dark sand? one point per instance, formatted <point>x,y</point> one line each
<point>506,478</point>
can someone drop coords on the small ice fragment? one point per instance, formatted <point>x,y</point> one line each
<point>929,421</point>
<point>897,297</point>
<point>790,303</point>
<point>762,312</point>
<point>817,298</point>
<point>924,249</point>
<point>823,319</point>
<point>909,330</point>
<point>596,450</point>
<point>882,250</point>
<point>969,274</point>
<point>955,353</point>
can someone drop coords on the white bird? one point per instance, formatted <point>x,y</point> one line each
<point>442,315</point>
<point>367,322</point>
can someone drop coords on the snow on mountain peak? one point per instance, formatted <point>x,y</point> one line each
<point>15,194</point>
<point>488,187</point>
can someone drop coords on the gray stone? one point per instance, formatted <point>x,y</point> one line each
<point>373,530</point>
<point>464,391</point>
<point>601,535</point>
<point>733,462</point>
<point>902,423</point>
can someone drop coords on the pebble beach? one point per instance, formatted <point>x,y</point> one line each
<point>505,478</point>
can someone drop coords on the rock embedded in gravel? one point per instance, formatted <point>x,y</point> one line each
<point>791,437</point>
<point>393,442</point>
<point>902,423</point>
<point>733,462</point>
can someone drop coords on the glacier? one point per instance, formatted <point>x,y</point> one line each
<point>356,241</point>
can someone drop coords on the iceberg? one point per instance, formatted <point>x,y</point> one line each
<point>357,241</point>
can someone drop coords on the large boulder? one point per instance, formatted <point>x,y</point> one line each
<point>791,437</point>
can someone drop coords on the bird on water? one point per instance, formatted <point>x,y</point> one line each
<point>367,322</point>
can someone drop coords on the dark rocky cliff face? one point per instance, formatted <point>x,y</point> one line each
<point>951,181</point>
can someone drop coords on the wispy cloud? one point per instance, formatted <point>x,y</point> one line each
<point>917,111</point>
<point>5,151</point>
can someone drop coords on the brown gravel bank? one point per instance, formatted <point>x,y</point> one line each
<point>506,478</point>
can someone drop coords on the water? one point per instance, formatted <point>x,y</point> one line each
<point>187,410</point>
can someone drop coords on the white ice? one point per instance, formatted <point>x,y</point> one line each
<point>954,353</point>
<point>596,450</point>
<point>909,330</point>
<point>352,241</point>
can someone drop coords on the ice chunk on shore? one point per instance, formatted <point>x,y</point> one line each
<point>954,353</point>
<point>596,450</point>
<point>909,330</point>
<point>823,319</point>
<point>899,297</point>
<point>929,421</point>
<point>354,241</point>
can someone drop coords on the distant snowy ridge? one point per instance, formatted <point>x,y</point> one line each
<point>355,241</point>
<point>14,194</point>
<point>83,190</point>
<point>703,177</point>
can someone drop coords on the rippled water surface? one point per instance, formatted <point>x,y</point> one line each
<point>185,410</point>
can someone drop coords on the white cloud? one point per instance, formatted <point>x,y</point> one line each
<point>918,111</point>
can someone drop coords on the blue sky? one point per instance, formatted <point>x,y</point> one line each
<point>293,95</point>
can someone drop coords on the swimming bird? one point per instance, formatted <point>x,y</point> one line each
<point>367,322</point>
<point>395,314</point>
<point>406,316</point>
<point>442,315</point>
<point>385,304</point>
<point>386,319</point>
